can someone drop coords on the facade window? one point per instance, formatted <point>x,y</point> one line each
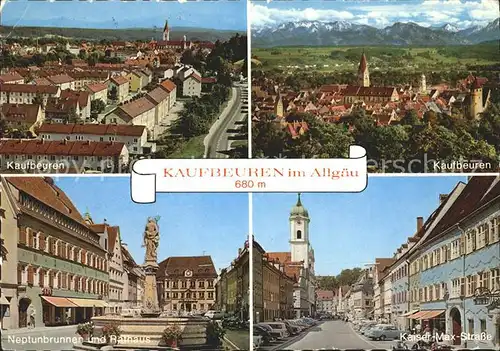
<point>483,325</point>
<point>299,234</point>
<point>495,279</point>
<point>184,284</point>
<point>192,284</point>
<point>471,326</point>
<point>41,278</point>
<point>210,284</point>
<point>31,276</point>
<point>201,284</point>
<point>210,295</point>
<point>471,284</point>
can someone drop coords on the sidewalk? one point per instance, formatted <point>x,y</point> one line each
<point>35,330</point>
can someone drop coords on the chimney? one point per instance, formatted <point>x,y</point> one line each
<point>442,198</point>
<point>239,251</point>
<point>420,223</point>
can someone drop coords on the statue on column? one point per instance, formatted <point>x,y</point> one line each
<point>151,240</point>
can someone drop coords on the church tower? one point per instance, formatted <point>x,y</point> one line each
<point>278,106</point>
<point>423,84</point>
<point>299,234</point>
<point>476,99</point>
<point>363,73</point>
<point>166,32</point>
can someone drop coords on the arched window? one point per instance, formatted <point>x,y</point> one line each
<point>299,234</point>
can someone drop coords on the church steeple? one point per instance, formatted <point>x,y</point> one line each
<point>363,73</point>
<point>299,233</point>
<point>166,32</point>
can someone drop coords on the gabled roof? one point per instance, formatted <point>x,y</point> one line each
<point>201,266</point>
<point>113,234</point>
<point>44,190</point>
<point>168,85</point>
<point>119,80</point>
<point>24,113</point>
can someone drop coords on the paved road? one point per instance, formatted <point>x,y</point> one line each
<point>334,334</point>
<point>49,338</point>
<point>217,139</point>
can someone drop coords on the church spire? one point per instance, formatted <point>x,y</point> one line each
<point>299,203</point>
<point>363,74</point>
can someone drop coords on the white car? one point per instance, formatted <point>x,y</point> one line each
<point>214,314</point>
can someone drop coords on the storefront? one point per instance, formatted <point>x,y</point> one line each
<point>431,320</point>
<point>65,310</point>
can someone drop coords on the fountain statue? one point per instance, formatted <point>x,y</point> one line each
<point>147,329</point>
<point>151,240</point>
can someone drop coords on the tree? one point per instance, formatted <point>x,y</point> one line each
<point>96,107</point>
<point>113,93</point>
<point>73,116</point>
<point>268,138</point>
<point>410,118</point>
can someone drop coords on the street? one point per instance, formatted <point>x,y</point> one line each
<point>39,339</point>
<point>331,334</point>
<point>218,138</point>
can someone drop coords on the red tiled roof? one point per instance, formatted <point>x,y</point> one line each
<point>97,87</point>
<point>119,80</point>
<point>113,234</point>
<point>60,148</point>
<point>83,97</point>
<point>92,129</point>
<point>29,88</point>
<point>195,76</point>
<point>207,80</point>
<point>157,95</point>
<point>136,107</point>
<point>11,77</point>
<point>44,190</point>
<point>201,266</point>
<point>24,113</point>
<point>168,85</point>
<point>325,295</point>
<point>60,79</point>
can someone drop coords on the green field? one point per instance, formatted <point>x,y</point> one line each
<point>380,58</point>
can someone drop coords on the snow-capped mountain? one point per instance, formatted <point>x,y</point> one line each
<point>347,33</point>
<point>449,28</point>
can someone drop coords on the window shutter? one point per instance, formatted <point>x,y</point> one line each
<point>22,235</point>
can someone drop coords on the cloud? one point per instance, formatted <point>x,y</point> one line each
<point>461,13</point>
<point>261,15</point>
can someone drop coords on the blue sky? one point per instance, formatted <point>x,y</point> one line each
<point>350,230</point>
<point>190,224</point>
<point>460,13</point>
<point>115,14</point>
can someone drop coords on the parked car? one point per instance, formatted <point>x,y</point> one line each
<point>276,333</point>
<point>214,314</point>
<point>301,323</point>
<point>280,326</point>
<point>267,338</point>
<point>291,328</point>
<point>296,323</point>
<point>365,328</point>
<point>383,332</point>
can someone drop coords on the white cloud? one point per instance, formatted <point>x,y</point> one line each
<point>461,13</point>
<point>261,15</point>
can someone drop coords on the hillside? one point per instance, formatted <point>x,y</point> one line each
<point>131,34</point>
<point>338,33</point>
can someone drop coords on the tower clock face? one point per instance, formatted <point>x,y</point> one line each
<point>299,222</point>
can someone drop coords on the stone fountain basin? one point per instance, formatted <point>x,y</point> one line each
<point>137,331</point>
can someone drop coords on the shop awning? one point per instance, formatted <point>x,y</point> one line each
<point>431,314</point>
<point>87,302</point>
<point>4,301</point>
<point>416,315</point>
<point>409,313</point>
<point>59,301</point>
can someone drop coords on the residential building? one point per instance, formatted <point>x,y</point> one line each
<point>136,80</point>
<point>56,269</point>
<point>379,273</point>
<point>137,112</point>
<point>34,156</point>
<point>159,97</point>
<point>121,85</point>
<point>326,302</point>
<point>83,98</point>
<point>191,85</point>
<point>63,81</point>
<point>458,256</point>
<point>98,91</point>
<point>11,78</point>
<point>342,303</point>
<point>22,116</point>
<point>258,290</point>
<point>134,137</point>
<point>171,89</point>
<point>27,93</point>
<point>361,295</point>
<point>232,288</point>
<point>118,278</point>
<point>186,284</point>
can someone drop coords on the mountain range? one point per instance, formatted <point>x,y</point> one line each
<point>316,33</point>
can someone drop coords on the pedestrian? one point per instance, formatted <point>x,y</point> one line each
<point>32,318</point>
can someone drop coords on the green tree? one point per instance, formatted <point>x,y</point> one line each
<point>113,93</point>
<point>96,107</point>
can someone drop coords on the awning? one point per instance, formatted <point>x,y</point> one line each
<point>59,301</point>
<point>431,314</point>
<point>4,301</point>
<point>416,315</point>
<point>409,313</point>
<point>87,302</point>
